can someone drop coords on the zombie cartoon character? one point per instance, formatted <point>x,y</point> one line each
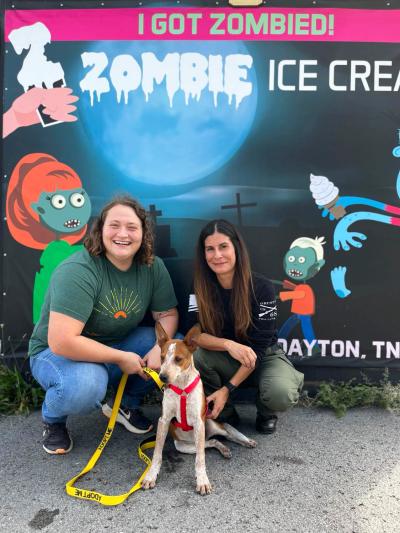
<point>47,209</point>
<point>302,261</point>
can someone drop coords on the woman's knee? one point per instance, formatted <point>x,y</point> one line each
<point>200,358</point>
<point>279,396</point>
<point>87,388</point>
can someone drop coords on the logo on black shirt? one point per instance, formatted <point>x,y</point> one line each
<point>267,311</point>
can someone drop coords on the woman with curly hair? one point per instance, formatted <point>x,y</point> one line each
<point>89,333</point>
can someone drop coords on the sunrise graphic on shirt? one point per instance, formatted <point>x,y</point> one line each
<point>118,304</point>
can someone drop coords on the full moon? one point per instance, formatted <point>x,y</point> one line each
<point>155,143</point>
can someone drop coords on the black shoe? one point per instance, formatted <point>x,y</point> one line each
<point>266,424</point>
<point>132,419</point>
<point>56,439</point>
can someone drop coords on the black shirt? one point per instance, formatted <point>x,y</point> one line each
<point>262,332</point>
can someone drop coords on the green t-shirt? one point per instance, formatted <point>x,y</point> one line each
<point>110,302</point>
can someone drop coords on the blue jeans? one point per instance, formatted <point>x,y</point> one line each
<point>78,387</point>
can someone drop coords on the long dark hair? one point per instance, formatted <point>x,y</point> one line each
<point>206,283</point>
<point>94,241</point>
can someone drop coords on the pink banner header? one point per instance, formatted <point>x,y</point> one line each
<point>257,24</point>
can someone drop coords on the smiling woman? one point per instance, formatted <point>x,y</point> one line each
<point>122,236</point>
<point>236,309</point>
<point>89,331</point>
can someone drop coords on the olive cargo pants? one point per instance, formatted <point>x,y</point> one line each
<point>278,383</point>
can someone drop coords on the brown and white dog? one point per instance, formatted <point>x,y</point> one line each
<point>184,400</point>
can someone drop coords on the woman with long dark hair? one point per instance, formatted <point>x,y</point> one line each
<point>236,309</point>
<point>89,330</point>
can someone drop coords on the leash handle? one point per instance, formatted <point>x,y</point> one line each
<point>146,444</point>
<point>153,374</point>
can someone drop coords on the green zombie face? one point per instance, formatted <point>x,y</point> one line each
<point>63,211</point>
<point>301,263</point>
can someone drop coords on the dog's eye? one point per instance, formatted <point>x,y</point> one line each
<point>178,360</point>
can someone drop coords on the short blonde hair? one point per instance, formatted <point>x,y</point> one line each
<point>316,244</point>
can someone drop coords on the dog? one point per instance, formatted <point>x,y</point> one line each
<point>185,400</point>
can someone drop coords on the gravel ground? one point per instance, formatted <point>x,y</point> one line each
<point>315,474</point>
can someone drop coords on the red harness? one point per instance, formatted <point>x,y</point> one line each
<point>183,425</point>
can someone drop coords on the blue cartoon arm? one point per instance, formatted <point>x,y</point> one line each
<point>345,239</point>
<point>347,201</point>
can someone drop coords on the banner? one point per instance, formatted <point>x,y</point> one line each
<point>284,121</point>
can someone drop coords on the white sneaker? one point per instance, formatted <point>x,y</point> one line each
<point>133,419</point>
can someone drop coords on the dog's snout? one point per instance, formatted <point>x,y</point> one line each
<point>163,377</point>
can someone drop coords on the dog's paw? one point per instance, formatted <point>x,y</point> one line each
<point>203,486</point>
<point>149,482</point>
<point>226,452</point>
<point>251,443</point>
<point>203,490</point>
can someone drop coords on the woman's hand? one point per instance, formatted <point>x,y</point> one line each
<point>244,354</point>
<point>153,358</point>
<point>132,363</point>
<point>219,399</point>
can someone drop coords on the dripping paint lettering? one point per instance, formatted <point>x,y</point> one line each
<point>188,72</point>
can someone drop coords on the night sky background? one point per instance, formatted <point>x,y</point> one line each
<point>269,147</point>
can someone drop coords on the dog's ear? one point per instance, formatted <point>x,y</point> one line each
<point>191,336</point>
<point>161,335</point>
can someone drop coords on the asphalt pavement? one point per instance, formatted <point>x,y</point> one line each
<point>317,473</point>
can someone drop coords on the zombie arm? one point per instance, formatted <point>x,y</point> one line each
<point>294,295</point>
<point>344,239</point>
<point>286,284</point>
<point>346,201</point>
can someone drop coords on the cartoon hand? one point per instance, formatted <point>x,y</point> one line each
<point>345,239</point>
<point>338,275</point>
<point>57,104</point>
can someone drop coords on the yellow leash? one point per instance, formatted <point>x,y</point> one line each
<point>146,444</point>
